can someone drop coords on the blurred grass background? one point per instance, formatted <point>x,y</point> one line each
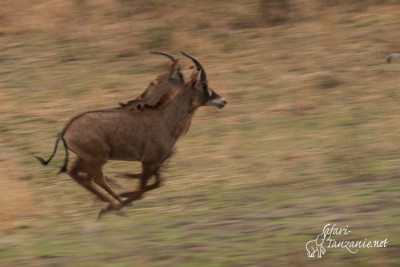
<point>309,135</point>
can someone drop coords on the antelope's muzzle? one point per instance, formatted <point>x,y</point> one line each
<point>218,102</point>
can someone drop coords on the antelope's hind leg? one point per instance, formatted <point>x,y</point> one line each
<point>101,180</point>
<point>79,173</point>
<point>85,175</point>
<point>147,188</point>
<point>96,173</point>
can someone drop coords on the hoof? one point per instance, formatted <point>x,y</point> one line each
<point>103,211</point>
<point>101,214</point>
<point>109,208</point>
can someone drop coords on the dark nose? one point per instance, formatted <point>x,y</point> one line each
<point>223,101</point>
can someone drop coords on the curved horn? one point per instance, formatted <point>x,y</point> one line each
<point>199,67</point>
<point>174,59</point>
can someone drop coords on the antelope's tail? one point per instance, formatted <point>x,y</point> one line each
<point>46,162</point>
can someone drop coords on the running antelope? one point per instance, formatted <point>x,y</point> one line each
<point>147,136</point>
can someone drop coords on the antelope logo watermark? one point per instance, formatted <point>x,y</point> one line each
<point>328,239</point>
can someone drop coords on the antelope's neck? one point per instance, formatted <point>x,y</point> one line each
<point>179,113</point>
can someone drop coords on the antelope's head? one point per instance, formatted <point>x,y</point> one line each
<point>204,95</point>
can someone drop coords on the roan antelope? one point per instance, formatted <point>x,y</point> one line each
<point>157,95</point>
<point>147,136</point>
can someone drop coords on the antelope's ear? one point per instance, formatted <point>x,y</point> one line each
<point>194,77</point>
<point>201,76</point>
<point>200,79</point>
<point>197,78</point>
<point>175,71</point>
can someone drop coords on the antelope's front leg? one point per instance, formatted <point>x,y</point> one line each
<point>147,188</point>
<point>148,172</point>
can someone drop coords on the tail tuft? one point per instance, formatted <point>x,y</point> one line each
<point>42,161</point>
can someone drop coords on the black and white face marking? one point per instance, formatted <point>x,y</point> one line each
<point>206,91</point>
<point>213,99</point>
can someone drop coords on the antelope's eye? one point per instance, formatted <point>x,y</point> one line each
<point>206,91</point>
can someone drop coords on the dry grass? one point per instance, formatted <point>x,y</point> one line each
<point>15,200</point>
